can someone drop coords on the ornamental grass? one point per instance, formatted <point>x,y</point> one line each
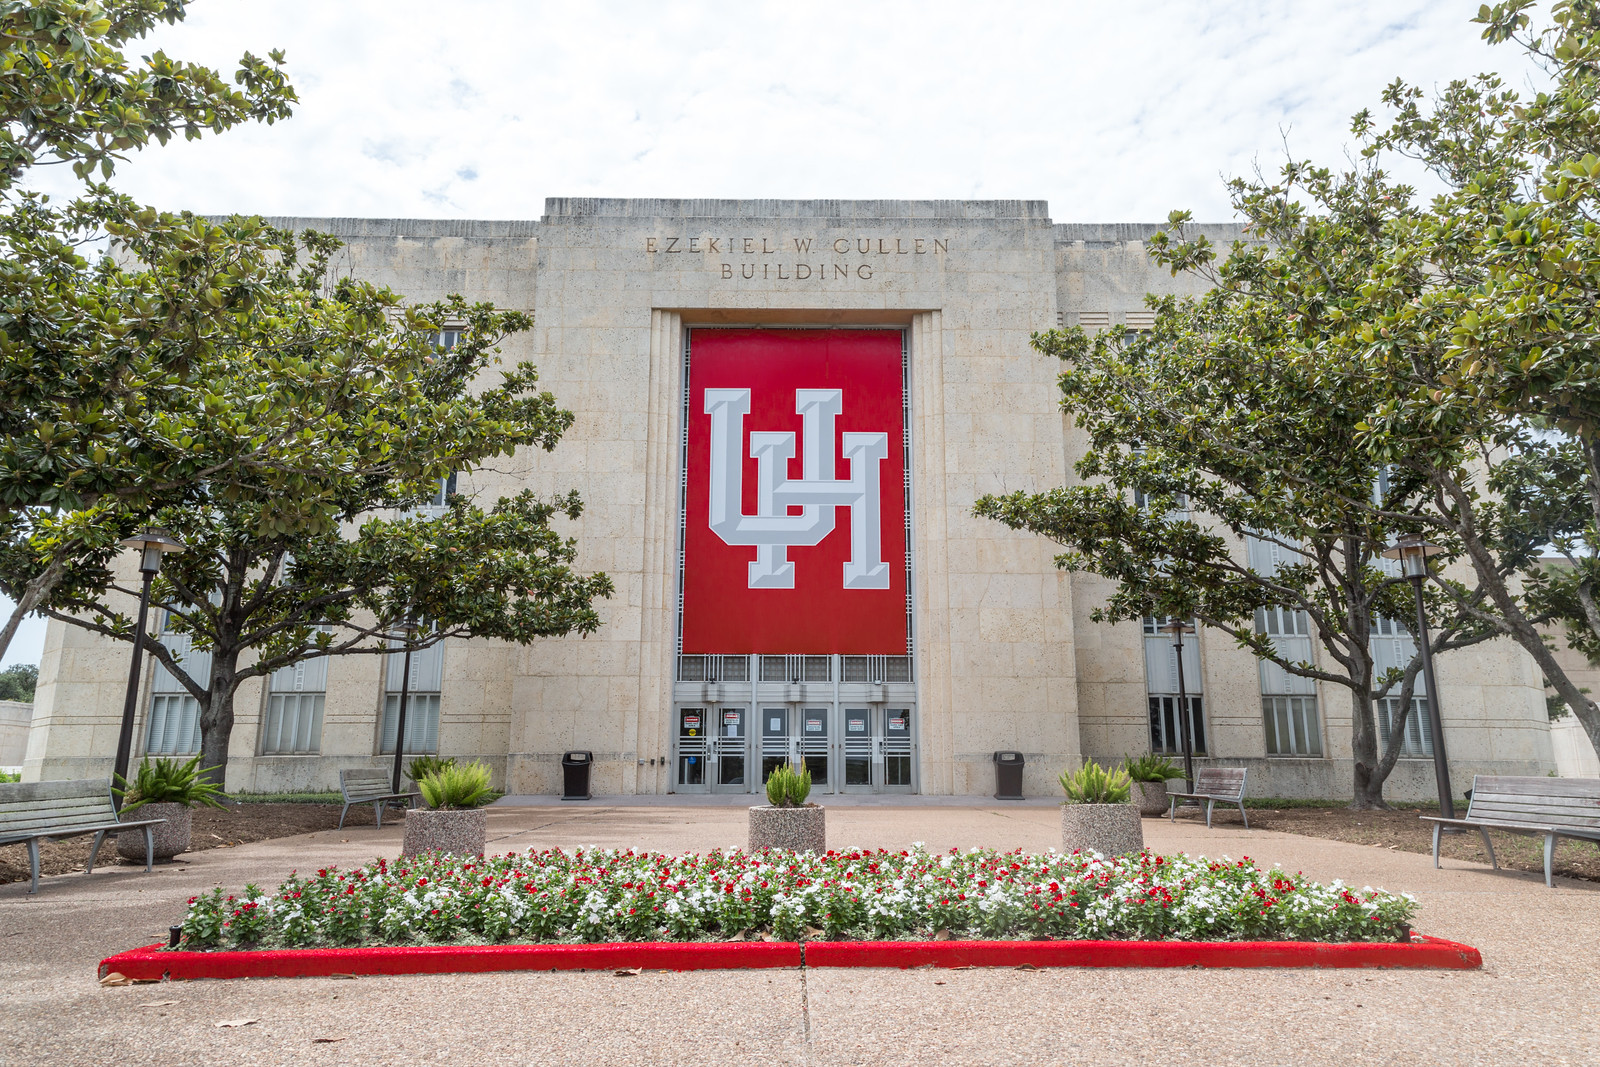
<point>596,895</point>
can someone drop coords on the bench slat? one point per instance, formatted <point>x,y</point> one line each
<point>1516,800</point>
<point>1529,785</point>
<point>1543,818</point>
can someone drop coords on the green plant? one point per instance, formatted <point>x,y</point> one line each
<point>1151,768</point>
<point>423,766</point>
<point>10,776</point>
<point>787,787</point>
<point>1093,784</point>
<point>457,785</point>
<point>18,681</point>
<point>166,781</point>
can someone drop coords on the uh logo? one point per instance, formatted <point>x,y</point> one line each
<point>818,493</point>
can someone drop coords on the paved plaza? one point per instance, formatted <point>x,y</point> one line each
<point>1532,1002</point>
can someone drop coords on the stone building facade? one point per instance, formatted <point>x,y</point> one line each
<point>1000,653</point>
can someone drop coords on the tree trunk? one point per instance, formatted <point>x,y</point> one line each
<point>1369,775</point>
<point>216,714</point>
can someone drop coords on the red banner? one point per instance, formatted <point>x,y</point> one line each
<point>795,539</point>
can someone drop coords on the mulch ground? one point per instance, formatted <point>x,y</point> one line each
<point>237,824</point>
<point>1402,829</point>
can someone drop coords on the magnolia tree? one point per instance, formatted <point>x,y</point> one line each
<point>1444,349</point>
<point>1201,442</point>
<point>1473,340</point>
<point>348,566</point>
<point>108,369</point>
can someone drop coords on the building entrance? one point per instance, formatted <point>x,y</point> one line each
<point>847,749</point>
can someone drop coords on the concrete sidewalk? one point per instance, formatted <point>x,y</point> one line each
<point>1532,1002</point>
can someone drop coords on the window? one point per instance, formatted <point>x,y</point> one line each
<point>1164,725</point>
<point>1288,701</point>
<point>1161,684</point>
<point>293,724</point>
<point>1393,647</point>
<point>796,669</point>
<point>1417,739</point>
<point>713,669</point>
<point>174,718</point>
<point>422,700</point>
<point>875,668</point>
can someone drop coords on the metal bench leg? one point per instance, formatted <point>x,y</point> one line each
<point>149,849</point>
<point>1208,813</point>
<point>1243,816</point>
<point>94,850</point>
<point>1437,828</point>
<point>1172,809</point>
<point>377,809</point>
<point>342,812</point>
<point>1484,831</point>
<point>1549,857</point>
<point>33,864</point>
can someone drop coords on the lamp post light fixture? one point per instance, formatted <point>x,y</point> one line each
<point>410,625</point>
<point>152,544</point>
<point>1179,628</point>
<point>1413,551</point>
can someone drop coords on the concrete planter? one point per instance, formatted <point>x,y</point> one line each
<point>799,829</point>
<point>1109,829</point>
<point>1151,798</point>
<point>460,830</point>
<point>171,837</point>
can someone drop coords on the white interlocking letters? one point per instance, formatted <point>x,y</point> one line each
<point>772,529</point>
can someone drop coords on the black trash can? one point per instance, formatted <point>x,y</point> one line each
<point>575,775</point>
<point>1008,775</point>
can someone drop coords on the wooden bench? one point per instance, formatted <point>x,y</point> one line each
<point>1212,784</point>
<point>43,811</point>
<point>363,785</point>
<point>1537,807</point>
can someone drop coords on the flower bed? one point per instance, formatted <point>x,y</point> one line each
<point>603,895</point>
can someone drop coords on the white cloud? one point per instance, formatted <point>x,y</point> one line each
<point>1111,111</point>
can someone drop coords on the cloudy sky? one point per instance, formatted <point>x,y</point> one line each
<point>1111,111</point>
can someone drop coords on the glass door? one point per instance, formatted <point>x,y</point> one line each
<point>777,742</point>
<point>859,750</point>
<point>731,759</point>
<point>692,750</point>
<point>898,758</point>
<point>814,747</point>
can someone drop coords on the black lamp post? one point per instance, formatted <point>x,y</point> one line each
<point>1179,628</point>
<point>1413,552</point>
<point>151,544</point>
<point>410,625</point>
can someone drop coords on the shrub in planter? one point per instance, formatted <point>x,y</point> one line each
<point>165,789</point>
<point>787,821</point>
<point>1097,816</point>
<point>422,766</point>
<point>454,820</point>
<point>1150,774</point>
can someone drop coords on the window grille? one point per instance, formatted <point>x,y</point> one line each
<point>174,719</point>
<point>422,701</point>
<point>293,724</point>
<point>1293,728</point>
<point>713,669</point>
<point>1164,736</point>
<point>875,668</point>
<point>1094,320</point>
<point>1417,739</point>
<point>1139,321</point>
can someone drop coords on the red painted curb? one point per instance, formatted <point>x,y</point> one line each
<point>153,963</point>
<point>1426,952</point>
